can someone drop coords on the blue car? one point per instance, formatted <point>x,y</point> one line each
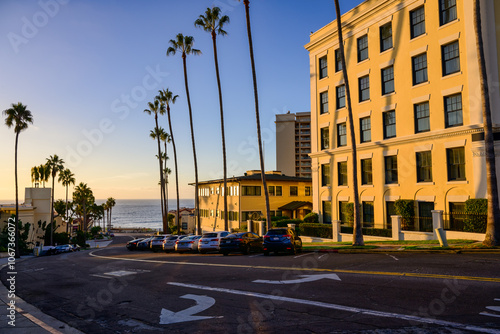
<point>244,242</point>
<point>283,239</point>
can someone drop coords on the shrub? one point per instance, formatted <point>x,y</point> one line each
<point>285,222</point>
<point>406,209</point>
<point>316,230</point>
<point>476,209</point>
<point>349,214</point>
<point>311,218</point>
<point>374,232</point>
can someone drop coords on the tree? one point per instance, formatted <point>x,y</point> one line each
<point>156,135</point>
<point>213,23</point>
<point>44,173</point>
<point>492,237</point>
<point>55,165</point>
<point>111,202</point>
<point>165,138</point>
<point>167,98</point>
<point>357,230</point>
<point>257,114</point>
<point>184,44</point>
<point>158,108</point>
<point>66,178</point>
<point>83,197</point>
<point>35,175</point>
<point>19,117</point>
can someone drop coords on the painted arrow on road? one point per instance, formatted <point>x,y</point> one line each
<point>202,303</point>
<point>304,279</point>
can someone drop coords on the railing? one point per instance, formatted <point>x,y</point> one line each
<point>465,222</point>
<point>417,224</point>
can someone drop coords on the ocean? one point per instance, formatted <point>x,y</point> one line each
<point>144,213</point>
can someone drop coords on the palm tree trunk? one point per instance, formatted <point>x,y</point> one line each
<point>196,199</point>
<point>16,247</point>
<point>224,161</point>
<point>166,182</point>
<point>52,211</point>
<point>357,231</point>
<point>164,220</point>
<point>175,163</point>
<point>492,237</point>
<point>257,115</point>
<point>66,211</point>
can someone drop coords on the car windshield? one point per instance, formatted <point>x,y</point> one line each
<point>277,232</point>
<point>159,237</point>
<point>236,235</point>
<point>172,237</point>
<point>209,235</point>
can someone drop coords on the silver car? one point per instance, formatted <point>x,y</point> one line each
<point>158,241</point>
<point>187,244</point>
<point>169,244</point>
<point>210,241</point>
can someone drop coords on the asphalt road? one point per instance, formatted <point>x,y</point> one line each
<point>113,290</point>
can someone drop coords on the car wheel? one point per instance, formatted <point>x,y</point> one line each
<point>266,253</point>
<point>246,251</point>
<point>202,252</point>
<point>225,253</point>
<point>294,250</point>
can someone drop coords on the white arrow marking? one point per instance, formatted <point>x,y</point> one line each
<point>306,278</point>
<point>202,303</point>
<point>493,308</point>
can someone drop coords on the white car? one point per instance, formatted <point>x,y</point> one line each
<point>169,244</point>
<point>158,241</point>
<point>210,241</point>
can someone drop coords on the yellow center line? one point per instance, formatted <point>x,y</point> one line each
<point>344,271</point>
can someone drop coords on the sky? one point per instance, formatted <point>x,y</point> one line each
<point>86,69</point>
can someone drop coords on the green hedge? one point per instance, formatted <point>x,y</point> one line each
<point>406,209</point>
<point>285,222</point>
<point>311,218</point>
<point>374,232</point>
<point>316,230</point>
<point>476,209</point>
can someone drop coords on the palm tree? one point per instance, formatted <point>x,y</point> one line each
<point>35,175</point>
<point>84,198</point>
<point>167,98</point>
<point>19,117</point>
<point>111,202</point>
<point>357,231</point>
<point>66,178</point>
<point>165,138</point>
<point>158,108</point>
<point>54,165</point>
<point>156,134</point>
<point>492,237</point>
<point>213,23</point>
<point>257,115</point>
<point>185,45</point>
<point>44,173</point>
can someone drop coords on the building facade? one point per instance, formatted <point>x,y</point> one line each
<point>416,102</point>
<point>288,196</point>
<point>293,144</point>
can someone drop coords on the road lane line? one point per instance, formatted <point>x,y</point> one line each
<point>341,308</point>
<point>359,272</point>
<point>301,255</point>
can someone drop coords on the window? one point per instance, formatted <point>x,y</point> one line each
<point>325,138</point>
<point>364,88</point>
<point>366,172</point>
<point>340,97</point>
<point>417,21</point>
<point>425,216</point>
<point>388,80</point>
<point>419,69</point>
<point>294,191</point>
<point>456,163</point>
<point>325,175</point>
<point>453,110</point>
<point>345,213</point>
<point>324,102</point>
<point>323,67</point>
<point>247,215</point>
<point>424,166</point>
<point>308,191</point>
<point>338,61</point>
<point>341,134</point>
<point>250,190</point>
<point>279,191</point>
<point>422,121</point>
<point>270,190</point>
<point>450,54</point>
<point>391,169</point>
<point>386,37</point>
<point>327,212</point>
<point>368,214</point>
<point>233,215</point>
<point>457,216</point>
<point>342,173</point>
<point>362,48</point>
<point>390,210</point>
<point>448,11</point>
<point>184,226</point>
<point>366,129</point>
<point>389,124</point>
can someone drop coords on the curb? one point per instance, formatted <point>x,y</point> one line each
<point>421,251</point>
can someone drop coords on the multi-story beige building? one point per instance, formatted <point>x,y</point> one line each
<point>293,144</point>
<point>416,101</point>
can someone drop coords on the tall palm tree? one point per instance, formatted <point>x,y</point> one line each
<point>156,135</point>
<point>19,117</point>
<point>35,175</point>
<point>165,138</point>
<point>212,22</point>
<point>84,198</point>
<point>158,108</point>
<point>111,202</point>
<point>66,178</point>
<point>357,231</point>
<point>257,114</point>
<point>44,173</point>
<point>184,44</point>
<point>492,237</point>
<point>167,98</point>
<point>55,165</point>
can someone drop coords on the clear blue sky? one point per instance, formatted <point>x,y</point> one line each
<point>86,70</point>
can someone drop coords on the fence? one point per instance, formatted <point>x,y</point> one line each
<point>465,222</point>
<point>417,224</point>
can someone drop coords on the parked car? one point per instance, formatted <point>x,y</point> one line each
<point>144,244</point>
<point>210,241</point>
<point>63,249</point>
<point>282,239</point>
<point>132,244</point>
<point>76,248</point>
<point>169,244</point>
<point>187,244</point>
<point>244,242</point>
<point>158,241</point>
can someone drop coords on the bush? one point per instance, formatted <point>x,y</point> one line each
<point>374,232</point>
<point>406,209</point>
<point>476,209</point>
<point>311,218</point>
<point>285,222</point>
<point>316,230</point>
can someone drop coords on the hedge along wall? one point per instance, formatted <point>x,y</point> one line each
<point>316,230</point>
<point>476,210</point>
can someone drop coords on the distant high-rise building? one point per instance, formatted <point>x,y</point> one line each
<point>293,144</point>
